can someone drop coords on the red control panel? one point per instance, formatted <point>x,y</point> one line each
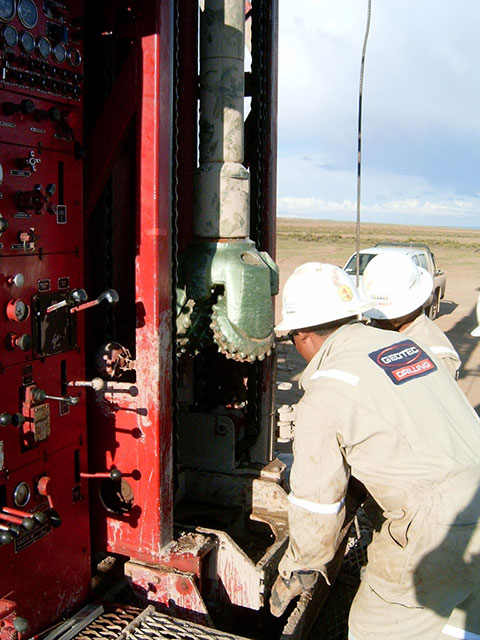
<point>44,528</point>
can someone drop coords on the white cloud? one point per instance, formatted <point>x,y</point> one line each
<point>450,212</point>
<point>421,130</point>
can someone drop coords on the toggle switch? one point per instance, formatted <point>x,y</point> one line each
<point>113,474</point>
<point>6,535</point>
<point>74,297</point>
<point>97,384</point>
<point>44,489</point>
<point>15,419</point>
<point>26,522</point>
<point>39,396</point>
<point>39,517</point>
<point>110,296</point>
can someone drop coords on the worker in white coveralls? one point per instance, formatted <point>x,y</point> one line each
<point>398,290</point>
<point>476,331</point>
<point>381,408</point>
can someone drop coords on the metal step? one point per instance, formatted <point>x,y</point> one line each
<point>134,624</point>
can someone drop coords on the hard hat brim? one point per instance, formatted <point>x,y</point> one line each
<point>416,299</point>
<point>355,310</point>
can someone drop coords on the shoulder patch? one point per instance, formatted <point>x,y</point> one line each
<point>403,361</point>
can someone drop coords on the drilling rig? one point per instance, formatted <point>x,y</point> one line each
<point>137,361</point>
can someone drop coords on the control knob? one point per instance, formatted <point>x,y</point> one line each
<point>26,106</point>
<point>15,419</point>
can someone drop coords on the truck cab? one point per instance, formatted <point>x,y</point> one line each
<point>423,257</point>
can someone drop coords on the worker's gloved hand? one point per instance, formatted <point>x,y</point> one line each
<point>284,590</point>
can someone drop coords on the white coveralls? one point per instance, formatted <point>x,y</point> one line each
<point>428,333</point>
<point>378,406</point>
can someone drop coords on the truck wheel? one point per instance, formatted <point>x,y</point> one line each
<point>434,308</point>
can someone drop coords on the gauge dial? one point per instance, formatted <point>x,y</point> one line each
<point>59,53</point>
<point>9,35</point>
<point>27,13</point>
<point>22,494</point>
<point>43,47</point>
<point>74,57</point>
<point>7,10</point>
<point>27,41</point>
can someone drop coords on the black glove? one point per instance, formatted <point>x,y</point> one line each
<point>284,590</point>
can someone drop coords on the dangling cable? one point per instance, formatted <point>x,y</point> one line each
<point>359,154</point>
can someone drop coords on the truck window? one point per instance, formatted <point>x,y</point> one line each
<point>351,265</point>
<point>423,261</point>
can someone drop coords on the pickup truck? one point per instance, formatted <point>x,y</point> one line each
<point>420,254</point>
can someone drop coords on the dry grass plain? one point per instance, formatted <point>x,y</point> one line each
<point>457,252</point>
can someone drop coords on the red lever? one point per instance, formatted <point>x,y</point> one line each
<point>113,474</point>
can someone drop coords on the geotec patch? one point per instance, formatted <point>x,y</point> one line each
<point>403,361</point>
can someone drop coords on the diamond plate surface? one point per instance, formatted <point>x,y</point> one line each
<point>109,625</point>
<point>135,624</point>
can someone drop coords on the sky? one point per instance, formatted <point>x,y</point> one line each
<point>421,111</point>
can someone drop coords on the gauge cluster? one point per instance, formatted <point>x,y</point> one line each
<point>40,47</point>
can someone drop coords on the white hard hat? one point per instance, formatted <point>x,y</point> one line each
<point>395,285</point>
<point>476,331</point>
<point>318,293</point>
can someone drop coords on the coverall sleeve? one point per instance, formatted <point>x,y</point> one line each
<point>318,482</point>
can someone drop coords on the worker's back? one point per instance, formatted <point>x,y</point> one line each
<point>403,422</point>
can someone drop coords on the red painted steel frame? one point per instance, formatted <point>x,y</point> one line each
<point>135,434</point>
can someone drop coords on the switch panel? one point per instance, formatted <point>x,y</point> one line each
<point>42,434</point>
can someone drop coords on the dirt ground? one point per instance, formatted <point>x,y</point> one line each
<point>457,252</point>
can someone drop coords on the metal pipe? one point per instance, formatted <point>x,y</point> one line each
<point>222,194</point>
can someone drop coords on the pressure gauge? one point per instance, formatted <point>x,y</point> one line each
<point>59,53</point>
<point>22,494</point>
<point>9,35</point>
<point>7,10</point>
<point>43,47</point>
<point>74,57</point>
<point>27,41</point>
<point>27,13</point>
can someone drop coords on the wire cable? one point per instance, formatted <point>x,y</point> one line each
<point>359,148</point>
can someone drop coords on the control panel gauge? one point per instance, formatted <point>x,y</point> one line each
<point>59,53</point>
<point>7,10</point>
<point>22,494</point>
<point>9,35</point>
<point>27,13</point>
<point>74,57</point>
<point>17,310</point>
<point>27,41</point>
<point>43,47</point>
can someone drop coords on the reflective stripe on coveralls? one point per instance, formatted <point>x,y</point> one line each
<point>335,374</point>
<point>455,632</point>
<point>405,430</point>
<point>448,630</point>
<point>316,507</point>
<point>427,332</point>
